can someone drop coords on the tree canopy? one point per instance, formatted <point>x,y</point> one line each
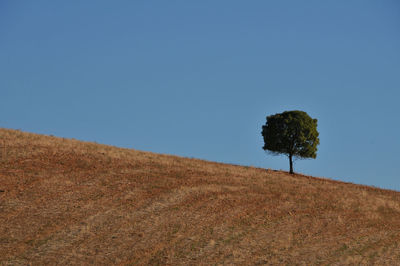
<point>292,133</point>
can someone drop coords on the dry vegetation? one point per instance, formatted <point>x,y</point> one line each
<point>71,202</point>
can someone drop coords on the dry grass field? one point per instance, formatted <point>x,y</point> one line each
<point>69,202</point>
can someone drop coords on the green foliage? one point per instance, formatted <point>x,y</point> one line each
<point>293,133</point>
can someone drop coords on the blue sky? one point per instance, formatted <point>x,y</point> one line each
<point>198,78</point>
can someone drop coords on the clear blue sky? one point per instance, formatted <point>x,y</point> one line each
<point>198,78</point>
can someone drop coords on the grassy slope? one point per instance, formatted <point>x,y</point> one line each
<point>72,202</point>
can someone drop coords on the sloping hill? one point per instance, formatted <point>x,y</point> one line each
<point>72,202</point>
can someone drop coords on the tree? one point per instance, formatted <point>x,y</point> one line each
<point>292,133</point>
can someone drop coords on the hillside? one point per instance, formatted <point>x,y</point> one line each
<point>71,202</point>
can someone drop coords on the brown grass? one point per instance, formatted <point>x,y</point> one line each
<point>72,202</point>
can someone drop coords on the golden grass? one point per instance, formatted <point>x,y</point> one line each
<point>72,202</point>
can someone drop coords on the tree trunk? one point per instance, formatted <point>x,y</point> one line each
<point>291,163</point>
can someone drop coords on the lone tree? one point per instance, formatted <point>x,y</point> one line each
<point>293,133</point>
